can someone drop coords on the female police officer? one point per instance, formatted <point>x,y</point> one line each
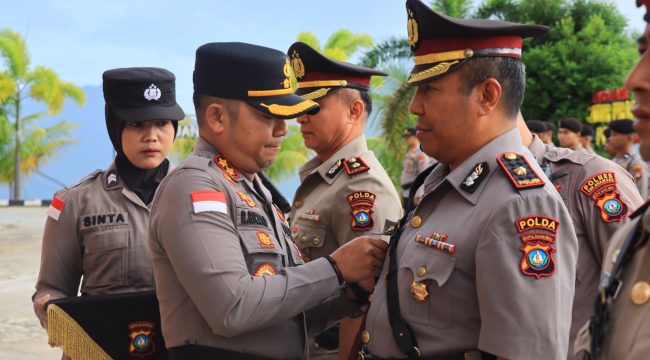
<point>96,230</point>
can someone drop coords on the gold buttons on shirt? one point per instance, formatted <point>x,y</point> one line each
<point>422,271</point>
<point>297,204</point>
<point>303,238</point>
<point>640,293</point>
<point>416,221</point>
<point>316,240</point>
<point>365,336</point>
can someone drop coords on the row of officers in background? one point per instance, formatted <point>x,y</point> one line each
<point>500,256</point>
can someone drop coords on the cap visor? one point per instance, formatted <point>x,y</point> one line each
<point>422,74</point>
<point>284,107</point>
<point>173,112</point>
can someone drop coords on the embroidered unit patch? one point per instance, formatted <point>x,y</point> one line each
<point>602,189</point>
<point>538,236</point>
<point>361,203</point>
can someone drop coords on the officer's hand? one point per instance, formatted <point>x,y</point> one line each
<point>40,310</point>
<point>361,258</point>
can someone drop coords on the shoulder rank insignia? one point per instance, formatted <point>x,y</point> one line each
<point>361,203</point>
<point>519,171</point>
<point>355,165</point>
<point>338,165</point>
<point>475,177</point>
<point>538,235</point>
<point>602,188</point>
<point>247,199</point>
<point>229,172</point>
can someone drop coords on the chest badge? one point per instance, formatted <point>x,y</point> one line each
<point>310,214</point>
<point>247,199</point>
<point>265,269</point>
<point>265,240</point>
<point>475,177</point>
<point>420,291</point>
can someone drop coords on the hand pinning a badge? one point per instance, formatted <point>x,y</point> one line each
<point>361,258</point>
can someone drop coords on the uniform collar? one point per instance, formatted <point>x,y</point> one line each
<point>354,148</point>
<point>508,141</point>
<point>205,149</point>
<point>538,149</point>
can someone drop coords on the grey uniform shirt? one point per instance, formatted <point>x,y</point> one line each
<point>225,266</point>
<point>634,164</point>
<point>414,163</point>
<point>486,295</point>
<point>599,195</point>
<point>333,207</point>
<point>96,234</point>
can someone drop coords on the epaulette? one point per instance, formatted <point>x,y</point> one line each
<point>519,171</point>
<point>88,177</point>
<point>355,166</point>
<point>640,210</point>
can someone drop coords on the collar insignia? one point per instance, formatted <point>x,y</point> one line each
<point>338,165</point>
<point>475,177</point>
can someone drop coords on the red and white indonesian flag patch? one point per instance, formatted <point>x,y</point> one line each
<point>209,200</point>
<point>56,206</point>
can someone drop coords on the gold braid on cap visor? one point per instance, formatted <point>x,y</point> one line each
<point>438,69</point>
<point>284,110</point>
<point>316,94</point>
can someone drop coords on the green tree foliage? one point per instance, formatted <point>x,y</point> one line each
<point>456,8</point>
<point>32,144</point>
<point>182,146</point>
<point>292,155</point>
<point>586,50</point>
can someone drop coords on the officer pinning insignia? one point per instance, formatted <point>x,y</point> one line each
<point>475,177</point>
<point>118,218</point>
<point>419,290</point>
<point>56,206</point>
<point>141,339</point>
<point>247,199</point>
<point>602,188</point>
<point>538,236</point>
<point>229,172</point>
<point>265,240</point>
<point>519,171</point>
<point>249,217</point>
<point>439,242</point>
<point>361,203</point>
<point>335,169</point>
<point>265,269</point>
<point>355,166</point>
<point>310,215</point>
<point>152,93</point>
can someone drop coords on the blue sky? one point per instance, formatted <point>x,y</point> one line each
<point>81,39</point>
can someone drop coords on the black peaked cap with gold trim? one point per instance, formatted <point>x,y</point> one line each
<point>258,75</point>
<point>319,75</point>
<point>441,43</point>
<point>640,3</point>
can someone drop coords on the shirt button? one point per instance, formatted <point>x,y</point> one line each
<point>365,336</point>
<point>297,204</point>
<point>303,238</point>
<point>640,293</point>
<point>316,240</point>
<point>416,221</point>
<point>422,271</point>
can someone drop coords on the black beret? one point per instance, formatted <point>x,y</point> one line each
<point>319,76</point>
<point>141,94</point>
<point>410,132</point>
<point>587,130</point>
<point>258,75</point>
<point>623,126</point>
<point>551,126</point>
<point>441,43</point>
<point>571,124</point>
<point>536,126</point>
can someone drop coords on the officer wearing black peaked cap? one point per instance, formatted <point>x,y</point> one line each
<point>231,283</point>
<point>344,191</point>
<point>95,238</point>
<point>484,266</point>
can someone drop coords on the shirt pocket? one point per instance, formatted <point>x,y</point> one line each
<point>105,256</point>
<point>310,235</point>
<point>425,290</point>
<point>264,254</point>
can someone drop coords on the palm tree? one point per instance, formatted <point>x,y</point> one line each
<point>17,83</point>
<point>340,46</point>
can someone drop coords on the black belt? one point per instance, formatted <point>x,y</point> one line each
<point>198,352</point>
<point>450,356</point>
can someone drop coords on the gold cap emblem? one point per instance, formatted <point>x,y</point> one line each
<point>412,28</point>
<point>297,64</point>
<point>640,293</point>
<point>416,221</point>
<point>365,336</point>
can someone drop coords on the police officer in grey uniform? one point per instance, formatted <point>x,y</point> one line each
<point>229,280</point>
<point>619,328</point>
<point>486,262</point>
<point>414,163</point>
<point>96,230</point>
<point>599,195</point>
<point>569,133</point>
<point>344,191</point>
<point>619,141</point>
<point>586,136</point>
